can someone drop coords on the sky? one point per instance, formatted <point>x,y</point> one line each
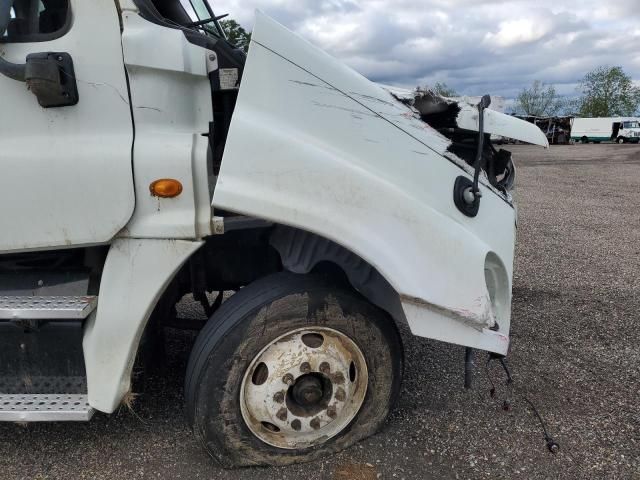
<point>477,47</point>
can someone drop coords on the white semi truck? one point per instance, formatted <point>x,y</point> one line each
<point>144,158</point>
<point>601,129</point>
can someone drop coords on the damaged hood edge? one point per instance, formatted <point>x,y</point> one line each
<point>495,123</point>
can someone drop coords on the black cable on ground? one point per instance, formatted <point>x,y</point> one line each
<point>552,445</point>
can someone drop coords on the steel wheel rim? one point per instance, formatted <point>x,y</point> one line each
<point>303,388</point>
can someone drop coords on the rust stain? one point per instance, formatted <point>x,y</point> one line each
<point>355,471</point>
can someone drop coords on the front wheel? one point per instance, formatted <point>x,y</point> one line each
<point>289,369</point>
<point>621,140</point>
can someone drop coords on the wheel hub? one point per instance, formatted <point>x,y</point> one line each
<point>307,391</point>
<point>303,388</point>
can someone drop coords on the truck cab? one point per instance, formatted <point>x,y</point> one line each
<point>626,131</point>
<point>309,211</point>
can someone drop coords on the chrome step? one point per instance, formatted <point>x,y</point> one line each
<point>46,308</point>
<point>45,408</point>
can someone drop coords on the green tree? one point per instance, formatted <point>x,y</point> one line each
<point>444,90</point>
<point>539,100</point>
<point>608,92</point>
<point>236,34</point>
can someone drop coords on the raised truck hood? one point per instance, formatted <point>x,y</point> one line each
<point>314,145</point>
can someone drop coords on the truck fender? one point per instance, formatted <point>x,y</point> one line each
<point>301,251</point>
<point>135,275</point>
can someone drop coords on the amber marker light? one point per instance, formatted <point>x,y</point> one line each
<point>166,188</point>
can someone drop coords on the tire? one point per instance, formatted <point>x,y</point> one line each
<point>584,140</point>
<point>235,365</point>
<point>621,140</point>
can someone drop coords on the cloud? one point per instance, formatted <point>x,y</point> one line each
<point>518,31</point>
<point>476,46</point>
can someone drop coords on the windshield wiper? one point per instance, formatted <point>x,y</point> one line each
<point>200,23</point>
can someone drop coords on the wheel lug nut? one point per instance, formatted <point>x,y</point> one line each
<point>340,394</point>
<point>282,414</point>
<point>331,411</point>
<point>288,379</point>
<point>315,423</point>
<point>325,368</point>
<point>338,378</point>
<point>296,425</point>
<point>305,367</point>
<point>278,397</point>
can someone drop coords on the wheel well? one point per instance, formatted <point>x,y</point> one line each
<point>304,252</point>
<point>236,259</point>
<point>231,261</point>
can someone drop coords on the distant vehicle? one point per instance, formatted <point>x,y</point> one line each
<point>612,129</point>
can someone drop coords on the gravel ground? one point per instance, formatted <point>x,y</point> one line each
<point>575,354</point>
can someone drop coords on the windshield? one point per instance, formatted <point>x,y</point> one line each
<point>631,125</point>
<point>203,17</point>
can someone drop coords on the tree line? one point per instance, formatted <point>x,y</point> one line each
<point>603,92</point>
<point>237,35</point>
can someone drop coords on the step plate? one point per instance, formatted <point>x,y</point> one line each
<point>47,308</point>
<point>39,384</point>
<point>45,408</point>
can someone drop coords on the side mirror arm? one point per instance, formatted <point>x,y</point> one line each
<point>15,71</point>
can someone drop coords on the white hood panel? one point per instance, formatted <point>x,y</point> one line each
<point>316,146</point>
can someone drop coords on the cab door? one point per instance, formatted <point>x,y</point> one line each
<point>65,171</point>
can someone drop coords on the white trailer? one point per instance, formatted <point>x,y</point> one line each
<point>606,129</point>
<point>143,158</point>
